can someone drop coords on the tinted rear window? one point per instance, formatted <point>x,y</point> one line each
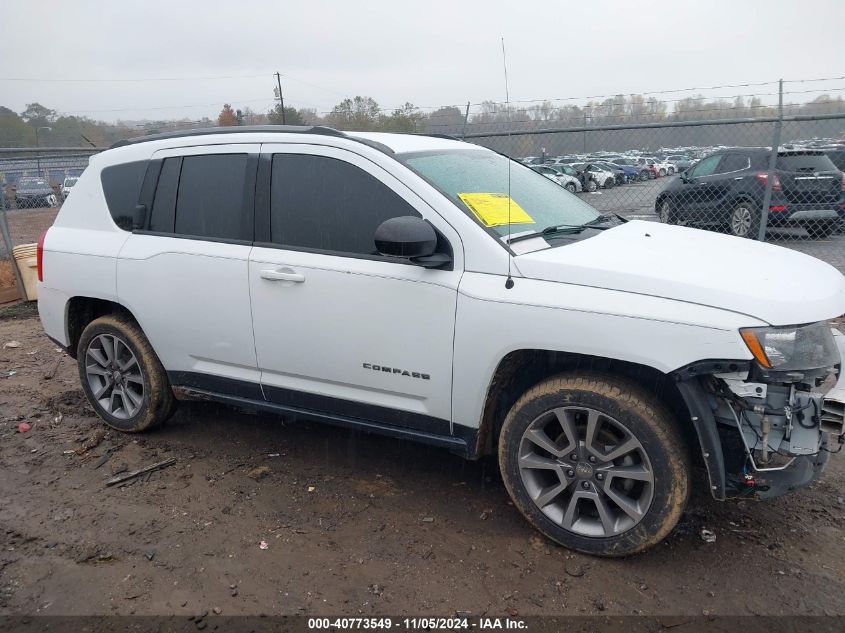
<point>210,198</point>
<point>122,187</point>
<point>838,159</point>
<point>805,162</point>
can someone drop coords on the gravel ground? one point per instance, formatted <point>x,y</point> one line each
<point>353,524</point>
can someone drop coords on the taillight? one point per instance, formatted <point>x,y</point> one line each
<point>39,255</point>
<point>776,186</point>
<point>777,207</point>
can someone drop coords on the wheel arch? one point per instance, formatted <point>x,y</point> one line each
<point>81,310</point>
<point>520,370</point>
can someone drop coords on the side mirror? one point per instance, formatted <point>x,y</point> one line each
<point>411,238</point>
<point>684,176</point>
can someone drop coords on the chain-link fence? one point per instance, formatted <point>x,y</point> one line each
<point>715,172</point>
<point>33,184</point>
<point>696,161</point>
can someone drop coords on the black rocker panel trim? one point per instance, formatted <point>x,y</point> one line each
<point>346,413</point>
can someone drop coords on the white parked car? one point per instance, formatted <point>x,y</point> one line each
<point>433,290</point>
<point>556,174</point>
<point>604,178</point>
<point>68,184</point>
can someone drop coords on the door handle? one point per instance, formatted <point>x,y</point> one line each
<point>282,274</point>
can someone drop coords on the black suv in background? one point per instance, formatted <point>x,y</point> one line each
<point>726,189</point>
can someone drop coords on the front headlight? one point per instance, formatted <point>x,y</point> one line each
<point>792,348</point>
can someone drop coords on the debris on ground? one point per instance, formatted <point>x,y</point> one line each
<point>258,473</point>
<point>708,536</point>
<point>24,427</point>
<point>311,488</point>
<point>428,519</point>
<point>150,553</point>
<point>263,545</point>
<point>11,345</point>
<point>91,442</point>
<point>485,514</point>
<point>141,471</point>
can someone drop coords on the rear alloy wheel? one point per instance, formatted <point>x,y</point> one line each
<point>671,171</point>
<point>122,377</point>
<point>596,463</point>
<point>821,229</point>
<point>745,221</point>
<point>610,183</point>
<point>570,187</point>
<point>662,172</point>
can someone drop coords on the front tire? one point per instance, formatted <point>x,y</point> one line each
<point>596,463</point>
<point>121,375</point>
<point>570,187</point>
<point>591,185</point>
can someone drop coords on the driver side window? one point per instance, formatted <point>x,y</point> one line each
<point>326,204</point>
<point>707,167</point>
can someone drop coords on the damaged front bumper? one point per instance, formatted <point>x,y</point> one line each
<point>762,438</point>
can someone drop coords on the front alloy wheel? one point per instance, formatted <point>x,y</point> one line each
<point>595,462</point>
<point>586,471</point>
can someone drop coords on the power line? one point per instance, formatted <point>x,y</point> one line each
<point>126,80</point>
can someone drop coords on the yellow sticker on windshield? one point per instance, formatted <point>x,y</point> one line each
<point>494,209</point>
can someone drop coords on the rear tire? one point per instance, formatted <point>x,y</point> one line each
<point>596,463</point>
<point>610,183</point>
<point>121,375</point>
<point>744,221</point>
<point>591,185</point>
<point>644,175</point>
<point>570,187</point>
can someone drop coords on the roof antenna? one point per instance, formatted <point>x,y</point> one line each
<point>509,280</point>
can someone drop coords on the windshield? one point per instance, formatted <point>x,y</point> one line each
<point>477,182</point>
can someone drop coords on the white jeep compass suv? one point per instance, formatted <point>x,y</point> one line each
<point>433,290</point>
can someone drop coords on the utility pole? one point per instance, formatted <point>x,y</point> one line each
<point>281,97</point>
<point>37,146</point>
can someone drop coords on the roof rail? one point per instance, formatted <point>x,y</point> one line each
<point>241,129</point>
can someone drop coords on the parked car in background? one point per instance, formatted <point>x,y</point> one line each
<point>643,172</point>
<point>623,173</point>
<point>603,177</point>
<point>570,183</point>
<point>33,192</point>
<point>67,185</point>
<point>679,162</point>
<point>726,189</point>
<point>566,177</point>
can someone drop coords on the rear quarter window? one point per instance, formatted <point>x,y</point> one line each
<point>122,188</point>
<point>805,162</point>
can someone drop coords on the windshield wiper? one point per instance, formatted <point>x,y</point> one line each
<point>571,229</point>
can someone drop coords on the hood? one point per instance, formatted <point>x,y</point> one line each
<point>771,283</point>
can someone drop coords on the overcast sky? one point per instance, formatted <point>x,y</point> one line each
<point>428,52</point>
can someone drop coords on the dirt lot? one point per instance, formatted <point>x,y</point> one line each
<point>354,524</point>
